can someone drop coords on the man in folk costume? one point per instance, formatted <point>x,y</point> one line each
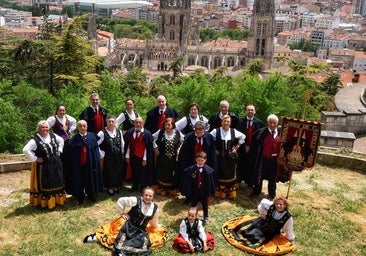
<point>215,120</point>
<point>86,174</point>
<point>139,153</point>
<point>195,142</point>
<point>95,115</point>
<point>264,151</point>
<point>155,117</point>
<point>247,125</point>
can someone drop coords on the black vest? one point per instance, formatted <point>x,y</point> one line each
<point>137,218</point>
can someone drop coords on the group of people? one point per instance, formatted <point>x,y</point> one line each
<point>196,156</point>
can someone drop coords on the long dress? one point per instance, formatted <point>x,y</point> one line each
<point>113,235</point>
<point>112,144</point>
<point>63,127</point>
<point>269,236</point>
<point>166,162</point>
<point>47,182</point>
<point>228,180</point>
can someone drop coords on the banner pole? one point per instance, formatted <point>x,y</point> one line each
<point>289,185</point>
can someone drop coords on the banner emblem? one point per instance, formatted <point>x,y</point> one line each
<point>299,143</point>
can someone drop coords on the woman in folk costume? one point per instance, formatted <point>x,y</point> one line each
<point>166,145</point>
<point>186,124</point>
<point>112,145</point>
<point>127,117</point>
<point>135,232</point>
<point>227,141</point>
<point>63,125</point>
<point>47,182</point>
<point>192,237</point>
<point>269,234</point>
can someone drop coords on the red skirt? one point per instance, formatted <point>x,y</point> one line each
<point>181,245</point>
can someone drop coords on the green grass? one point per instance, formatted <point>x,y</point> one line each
<point>328,206</point>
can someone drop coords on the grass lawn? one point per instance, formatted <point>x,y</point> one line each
<point>328,205</point>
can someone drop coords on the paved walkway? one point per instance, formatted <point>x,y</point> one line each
<point>348,99</point>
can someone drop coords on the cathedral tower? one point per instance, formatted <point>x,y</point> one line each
<point>174,19</point>
<point>261,33</point>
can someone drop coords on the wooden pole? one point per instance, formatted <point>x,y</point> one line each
<point>307,96</point>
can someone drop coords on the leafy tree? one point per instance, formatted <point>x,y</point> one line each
<point>331,85</point>
<point>255,67</point>
<point>176,67</point>
<point>304,45</point>
<point>35,59</point>
<point>75,59</point>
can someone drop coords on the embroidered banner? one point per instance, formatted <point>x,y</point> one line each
<point>299,143</point>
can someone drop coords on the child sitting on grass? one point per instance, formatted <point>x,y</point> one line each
<point>192,236</point>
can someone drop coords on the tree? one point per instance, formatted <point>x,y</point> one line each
<point>255,67</point>
<point>176,67</point>
<point>75,60</point>
<point>332,84</point>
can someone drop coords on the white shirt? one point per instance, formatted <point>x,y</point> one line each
<point>131,201</point>
<point>201,230</point>
<point>31,146</point>
<point>275,132</point>
<point>226,135</point>
<point>287,228</point>
<point>167,136</point>
<point>121,118</point>
<point>182,123</point>
<point>52,120</point>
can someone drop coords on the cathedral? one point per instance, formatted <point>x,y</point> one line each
<point>178,36</point>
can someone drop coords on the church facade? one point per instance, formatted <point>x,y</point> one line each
<point>178,36</point>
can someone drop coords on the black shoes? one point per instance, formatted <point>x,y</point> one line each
<point>90,238</point>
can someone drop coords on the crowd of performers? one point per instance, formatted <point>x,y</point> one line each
<point>193,155</point>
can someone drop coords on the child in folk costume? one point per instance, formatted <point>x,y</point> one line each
<point>199,183</point>
<point>192,236</point>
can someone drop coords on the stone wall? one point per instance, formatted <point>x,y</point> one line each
<point>346,121</point>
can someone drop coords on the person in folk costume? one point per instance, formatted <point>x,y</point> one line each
<point>247,125</point>
<point>155,117</point>
<point>227,141</point>
<point>215,120</point>
<point>186,124</point>
<point>274,219</point>
<point>112,145</point>
<point>47,182</point>
<point>193,143</point>
<point>63,125</point>
<point>85,165</point>
<point>127,119</point>
<point>264,151</point>
<point>135,232</point>
<point>192,237</point>
<point>199,183</point>
<point>166,146</point>
<point>139,153</point>
<point>95,115</point>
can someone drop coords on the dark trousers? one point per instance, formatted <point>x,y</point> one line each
<point>203,200</point>
<point>136,169</point>
<point>267,172</point>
